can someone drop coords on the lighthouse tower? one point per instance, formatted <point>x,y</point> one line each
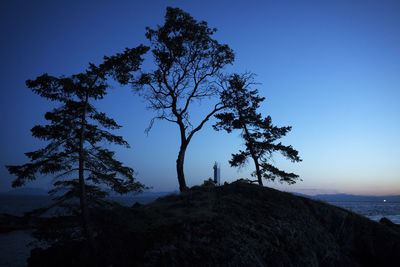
<point>217,173</point>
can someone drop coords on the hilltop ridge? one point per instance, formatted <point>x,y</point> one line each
<point>238,224</point>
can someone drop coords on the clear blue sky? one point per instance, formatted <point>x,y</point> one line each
<point>330,69</point>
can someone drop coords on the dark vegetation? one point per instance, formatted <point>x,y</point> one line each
<point>238,224</point>
<point>83,169</point>
<point>188,65</point>
<point>259,134</point>
<point>188,62</point>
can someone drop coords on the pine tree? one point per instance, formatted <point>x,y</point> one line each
<point>82,168</point>
<point>259,134</point>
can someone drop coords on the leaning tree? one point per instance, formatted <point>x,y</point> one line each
<point>187,62</point>
<point>82,168</point>
<point>259,134</point>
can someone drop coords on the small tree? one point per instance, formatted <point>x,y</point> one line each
<point>83,168</point>
<point>259,133</point>
<point>187,62</point>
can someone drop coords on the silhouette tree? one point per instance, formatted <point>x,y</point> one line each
<point>259,133</point>
<point>187,62</point>
<point>75,132</point>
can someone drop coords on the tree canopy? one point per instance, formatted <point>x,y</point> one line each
<point>259,134</point>
<point>75,133</point>
<point>187,63</point>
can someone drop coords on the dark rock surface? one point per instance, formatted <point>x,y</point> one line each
<point>390,224</point>
<point>237,224</point>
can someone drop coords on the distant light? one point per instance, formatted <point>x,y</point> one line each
<point>384,200</point>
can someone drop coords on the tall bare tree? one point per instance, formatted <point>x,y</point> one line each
<point>187,63</point>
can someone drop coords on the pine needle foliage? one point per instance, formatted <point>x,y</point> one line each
<point>258,132</point>
<point>76,132</point>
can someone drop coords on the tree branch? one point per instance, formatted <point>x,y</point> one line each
<point>216,109</point>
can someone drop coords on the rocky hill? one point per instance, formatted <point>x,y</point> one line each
<point>238,224</point>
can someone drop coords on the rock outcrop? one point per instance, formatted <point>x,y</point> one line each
<point>237,224</point>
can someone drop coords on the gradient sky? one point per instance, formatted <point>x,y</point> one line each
<point>330,69</point>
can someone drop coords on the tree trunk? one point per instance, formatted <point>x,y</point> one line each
<point>82,193</point>
<point>259,178</point>
<point>253,155</point>
<point>179,167</point>
<point>249,140</point>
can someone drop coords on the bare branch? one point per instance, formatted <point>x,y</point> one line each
<point>217,108</point>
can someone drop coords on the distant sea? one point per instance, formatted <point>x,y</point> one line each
<point>13,245</point>
<point>374,210</point>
